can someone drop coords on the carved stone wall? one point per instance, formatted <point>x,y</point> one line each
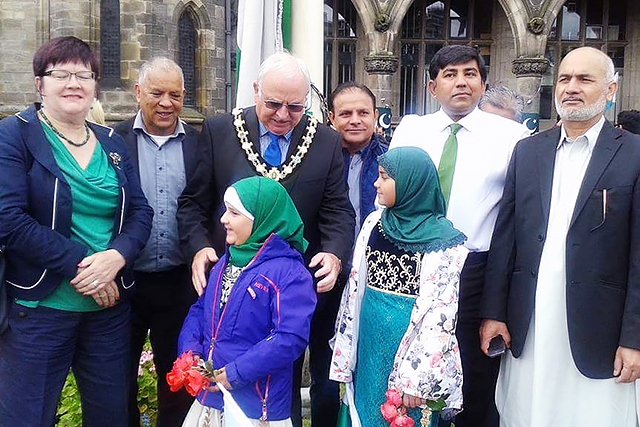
<point>148,29</point>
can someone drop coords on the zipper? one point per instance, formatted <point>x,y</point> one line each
<point>263,399</point>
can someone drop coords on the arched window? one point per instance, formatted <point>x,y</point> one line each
<point>339,43</point>
<point>429,25</point>
<point>187,36</point>
<point>598,23</point>
<point>110,43</point>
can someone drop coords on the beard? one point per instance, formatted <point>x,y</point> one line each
<point>582,114</point>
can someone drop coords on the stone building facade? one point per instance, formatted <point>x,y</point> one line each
<point>129,32</point>
<point>386,44</point>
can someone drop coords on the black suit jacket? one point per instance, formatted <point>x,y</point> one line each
<point>316,186</point>
<point>602,251</point>
<point>189,145</point>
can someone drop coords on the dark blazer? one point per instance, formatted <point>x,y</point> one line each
<point>189,145</point>
<point>602,251</point>
<point>316,186</point>
<point>36,208</point>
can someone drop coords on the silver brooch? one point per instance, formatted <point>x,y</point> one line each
<point>115,158</point>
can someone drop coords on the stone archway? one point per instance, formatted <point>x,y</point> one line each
<point>531,23</point>
<point>381,21</point>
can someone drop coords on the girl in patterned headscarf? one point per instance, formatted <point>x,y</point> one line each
<point>403,287</point>
<point>252,322</point>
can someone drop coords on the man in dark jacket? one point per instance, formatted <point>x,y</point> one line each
<point>563,277</point>
<point>353,113</point>
<point>276,139</point>
<point>164,150</point>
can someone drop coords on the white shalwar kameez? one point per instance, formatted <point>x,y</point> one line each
<point>543,387</point>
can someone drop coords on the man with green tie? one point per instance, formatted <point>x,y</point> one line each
<point>472,149</point>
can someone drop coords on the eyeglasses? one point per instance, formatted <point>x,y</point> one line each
<point>64,75</point>
<point>275,106</point>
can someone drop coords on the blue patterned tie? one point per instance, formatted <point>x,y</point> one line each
<point>272,154</point>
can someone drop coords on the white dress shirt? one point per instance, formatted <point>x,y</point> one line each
<point>485,143</point>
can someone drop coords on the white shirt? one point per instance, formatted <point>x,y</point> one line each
<point>485,143</point>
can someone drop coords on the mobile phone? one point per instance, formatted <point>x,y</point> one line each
<point>497,346</point>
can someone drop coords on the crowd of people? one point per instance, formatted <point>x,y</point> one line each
<point>465,273</point>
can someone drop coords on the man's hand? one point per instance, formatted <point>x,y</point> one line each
<point>490,329</point>
<point>626,365</point>
<point>328,272</point>
<point>201,262</point>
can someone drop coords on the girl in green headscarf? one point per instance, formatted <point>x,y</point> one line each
<point>403,287</point>
<point>253,320</point>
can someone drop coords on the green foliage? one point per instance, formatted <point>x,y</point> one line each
<point>70,411</point>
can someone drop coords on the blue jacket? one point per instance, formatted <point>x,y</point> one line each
<point>262,330</point>
<point>369,154</point>
<point>36,207</point>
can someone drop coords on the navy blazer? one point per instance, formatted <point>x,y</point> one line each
<point>36,207</point>
<point>189,145</point>
<point>602,251</point>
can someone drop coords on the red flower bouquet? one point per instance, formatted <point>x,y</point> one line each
<point>394,412</point>
<point>190,372</point>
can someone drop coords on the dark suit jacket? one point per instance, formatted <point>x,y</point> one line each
<point>602,254</point>
<point>189,144</point>
<point>316,186</point>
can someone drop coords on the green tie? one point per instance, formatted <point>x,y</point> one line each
<point>448,161</point>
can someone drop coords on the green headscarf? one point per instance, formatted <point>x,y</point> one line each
<point>416,223</point>
<point>273,212</point>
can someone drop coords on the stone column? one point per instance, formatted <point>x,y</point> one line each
<point>529,73</point>
<point>382,63</point>
<point>380,69</point>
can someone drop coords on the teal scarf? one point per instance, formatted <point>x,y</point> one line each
<point>416,223</point>
<point>273,212</point>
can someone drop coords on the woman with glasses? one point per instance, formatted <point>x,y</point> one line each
<point>73,218</point>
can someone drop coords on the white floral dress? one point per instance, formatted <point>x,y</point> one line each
<point>427,360</point>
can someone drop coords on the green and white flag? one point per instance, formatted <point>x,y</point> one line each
<point>264,27</point>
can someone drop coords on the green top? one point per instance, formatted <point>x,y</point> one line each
<point>273,212</point>
<point>416,222</point>
<point>94,191</point>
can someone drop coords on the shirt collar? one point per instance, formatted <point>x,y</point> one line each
<point>591,134</point>
<point>264,130</point>
<point>138,124</point>
<point>471,122</point>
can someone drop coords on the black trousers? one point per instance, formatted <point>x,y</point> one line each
<point>324,393</point>
<point>159,305</point>
<point>480,372</point>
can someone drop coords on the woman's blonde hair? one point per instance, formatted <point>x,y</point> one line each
<point>96,113</point>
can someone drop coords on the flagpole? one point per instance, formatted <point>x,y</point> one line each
<point>307,41</point>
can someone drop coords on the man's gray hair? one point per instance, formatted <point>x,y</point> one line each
<point>505,99</point>
<point>286,65</point>
<point>159,63</point>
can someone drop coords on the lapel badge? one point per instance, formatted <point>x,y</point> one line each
<point>115,158</point>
